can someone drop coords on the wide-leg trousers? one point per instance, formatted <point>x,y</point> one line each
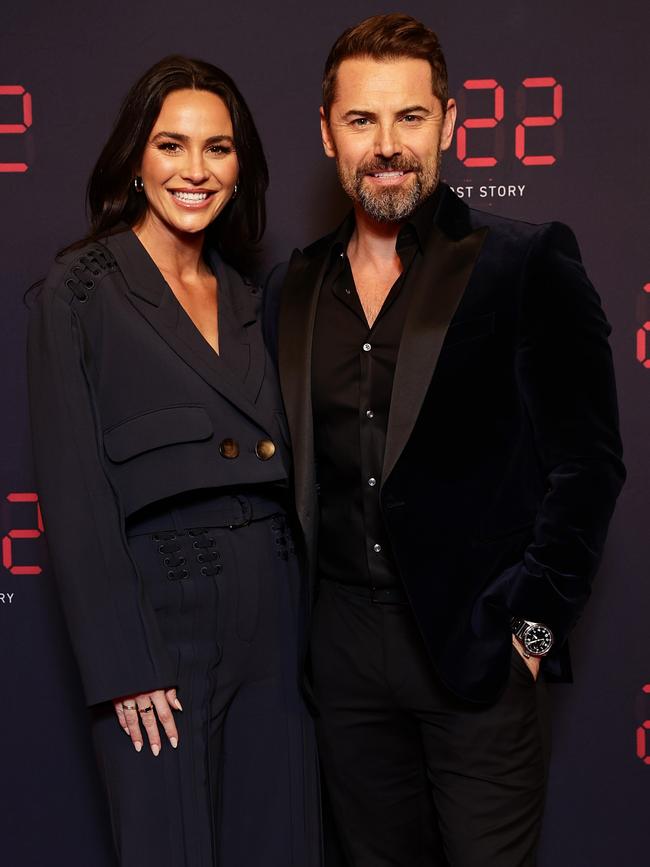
<point>242,787</point>
<point>415,776</point>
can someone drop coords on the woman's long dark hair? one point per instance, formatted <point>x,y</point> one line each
<point>111,195</point>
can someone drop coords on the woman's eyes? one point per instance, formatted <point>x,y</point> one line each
<point>172,147</point>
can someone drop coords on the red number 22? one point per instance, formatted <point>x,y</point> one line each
<point>491,84</point>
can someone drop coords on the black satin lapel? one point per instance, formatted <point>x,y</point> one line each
<point>440,283</point>
<point>296,329</point>
<point>187,345</point>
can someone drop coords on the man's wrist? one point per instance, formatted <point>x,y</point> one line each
<point>519,644</point>
<point>536,638</point>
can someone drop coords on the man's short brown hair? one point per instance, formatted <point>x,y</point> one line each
<point>387,37</point>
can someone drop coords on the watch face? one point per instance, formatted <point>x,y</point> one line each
<point>538,640</point>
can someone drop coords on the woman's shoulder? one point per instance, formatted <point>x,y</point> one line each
<point>78,270</point>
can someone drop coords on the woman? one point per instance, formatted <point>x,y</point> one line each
<point>162,463</point>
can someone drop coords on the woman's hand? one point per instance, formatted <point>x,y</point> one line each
<point>136,710</point>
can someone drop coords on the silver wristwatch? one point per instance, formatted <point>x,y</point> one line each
<point>536,638</point>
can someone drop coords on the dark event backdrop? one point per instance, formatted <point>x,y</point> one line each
<point>553,124</point>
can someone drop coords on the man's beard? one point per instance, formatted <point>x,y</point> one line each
<point>391,204</point>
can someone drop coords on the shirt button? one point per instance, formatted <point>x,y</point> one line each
<point>369,413</point>
<point>376,548</point>
<point>372,481</point>
<point>367,347</point>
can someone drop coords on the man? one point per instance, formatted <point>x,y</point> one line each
<point>451,404</point>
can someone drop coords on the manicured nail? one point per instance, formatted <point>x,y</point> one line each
<point>173,742</point>
<point>177,704</point>
<point>126,729</point>
<point>138,746</point>
<point>155,749</point>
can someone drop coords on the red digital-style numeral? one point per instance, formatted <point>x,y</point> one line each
<point>479,122</point>
<point>642,751</point>
<point>12,535</point>
<point>642,344</point>
<point>543,120</point>
<point>16,128</point>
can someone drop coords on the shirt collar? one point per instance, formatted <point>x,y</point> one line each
<point>342,237</point>
<point>417,227</point>
<point>422,219</point>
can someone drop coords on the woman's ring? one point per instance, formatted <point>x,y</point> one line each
<point>128,707</point>
<point>145,709</point>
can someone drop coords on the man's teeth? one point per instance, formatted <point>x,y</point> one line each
<point>191,197</point>
<point>388,174</point>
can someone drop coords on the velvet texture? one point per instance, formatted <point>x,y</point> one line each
<point>503,458</point>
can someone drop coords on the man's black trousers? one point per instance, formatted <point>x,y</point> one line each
<point>417,777</point>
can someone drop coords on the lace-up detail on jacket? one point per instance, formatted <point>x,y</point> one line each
<point>84,274</point>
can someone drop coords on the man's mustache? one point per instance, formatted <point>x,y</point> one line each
<point>388,164</point>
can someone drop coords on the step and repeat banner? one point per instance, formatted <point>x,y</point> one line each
<point>553,124</point>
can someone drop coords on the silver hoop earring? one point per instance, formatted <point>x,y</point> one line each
<point>138,185</point>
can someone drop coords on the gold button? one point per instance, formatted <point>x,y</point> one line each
<point>229,448</point>
<point>265,449</point>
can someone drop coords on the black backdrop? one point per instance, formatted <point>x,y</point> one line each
<point>554,106</point>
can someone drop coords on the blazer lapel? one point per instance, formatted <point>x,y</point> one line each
<point>296,329</point>
<point>243,307</point>
<point>155,301</point>
<point>438,288</point>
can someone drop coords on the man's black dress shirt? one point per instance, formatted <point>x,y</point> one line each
<point>352,380</point>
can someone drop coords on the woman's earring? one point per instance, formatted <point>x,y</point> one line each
<point>234,192</point>
<point>138,186</point>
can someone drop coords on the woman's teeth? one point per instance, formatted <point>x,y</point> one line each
<point>191,197</point>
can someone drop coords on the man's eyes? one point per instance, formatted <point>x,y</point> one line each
<point>360,122</point>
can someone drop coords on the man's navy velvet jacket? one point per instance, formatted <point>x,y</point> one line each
<point>503,457</point>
